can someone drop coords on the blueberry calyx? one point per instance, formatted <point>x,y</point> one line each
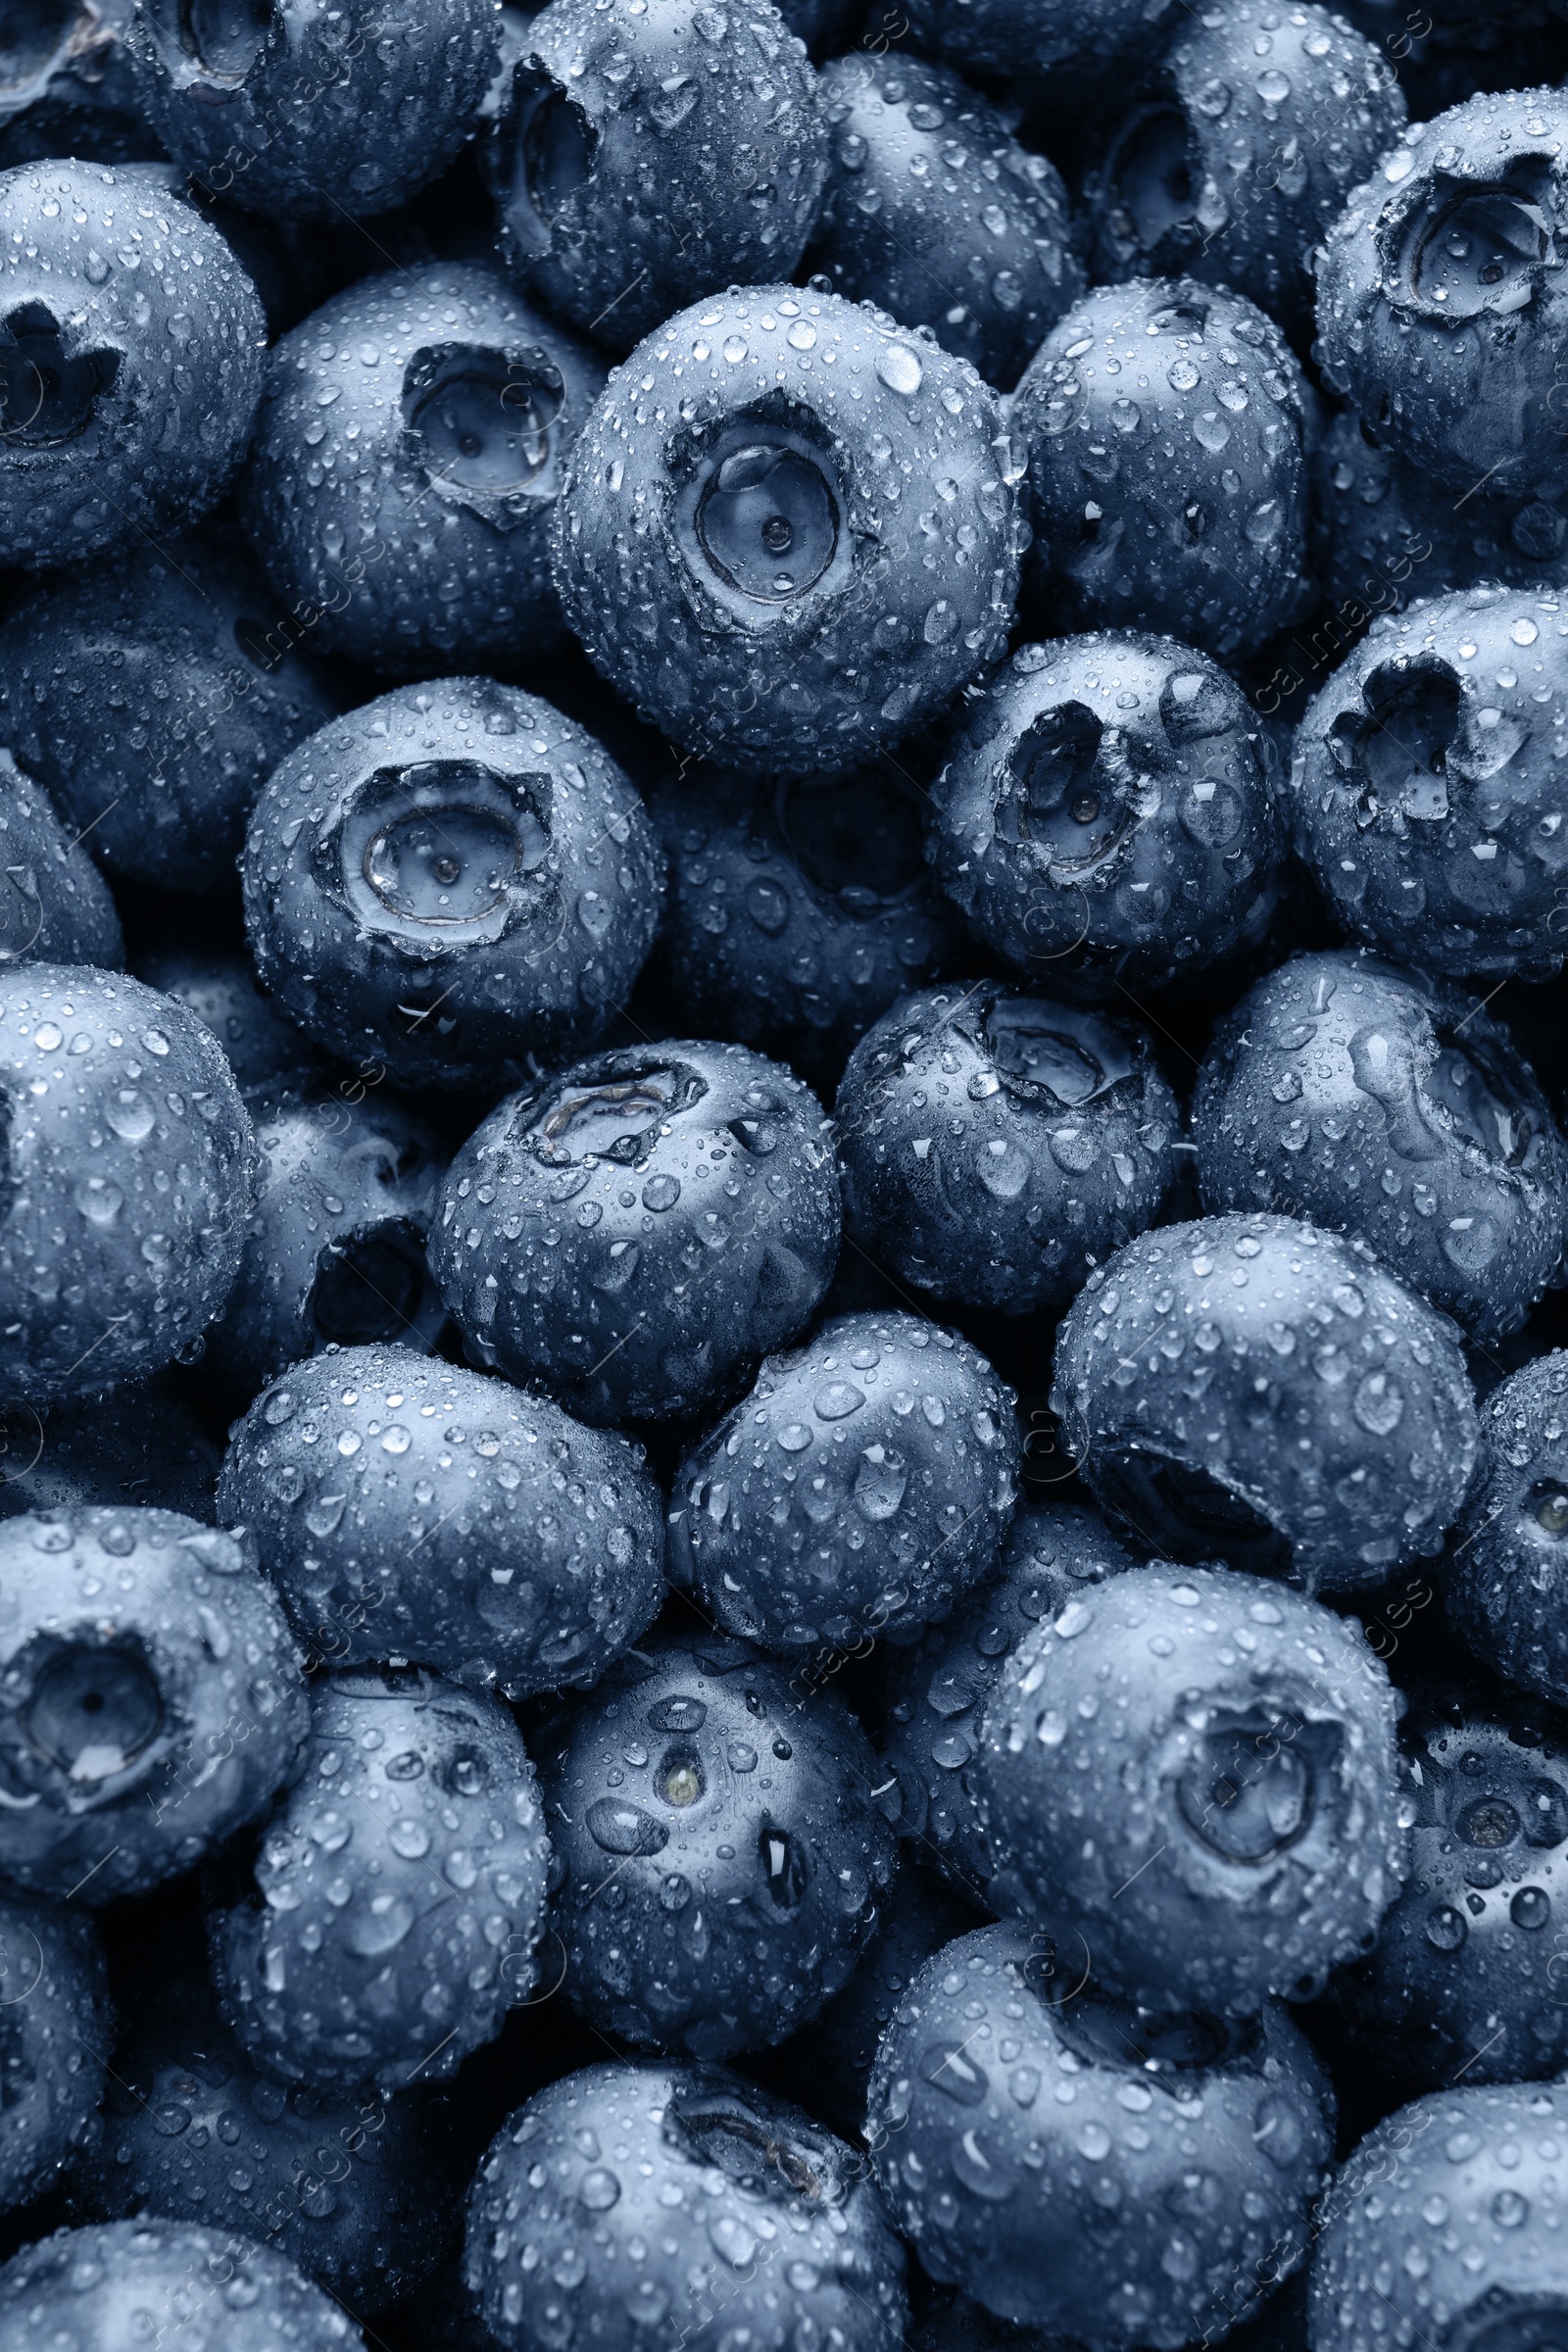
<point>1473,246</point>
<point>444,853</point>
<point>95,1710</point>
<point>761,521</point>
<point>211,44</point>
<point>620,1119</point>
<point>483,425</point>
<point>554,146</point>
<point>49,393</point>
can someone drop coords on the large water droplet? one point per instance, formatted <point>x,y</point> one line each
<point>898,368</point>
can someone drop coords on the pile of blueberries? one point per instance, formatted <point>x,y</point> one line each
<point>783,1197</point>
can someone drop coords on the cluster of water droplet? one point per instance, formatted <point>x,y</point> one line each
<point>110,2287</point>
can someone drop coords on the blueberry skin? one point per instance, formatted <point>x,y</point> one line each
<point>99,2286</point>
<point>1507,1588</point>
<point>399,1891</point>
<point>335,1252</point>
<point>130,1181</point>
<point>372,942</point>
<point>863,1487</point>
<point>751,1860</point>
<point>1031,37</point>
<point>1464,1975</point>
<point>804,461</point>
<point>1209,542</point>
<point>1423,794</point>
<point>140,1448</point>
<point>1452,367</point>
<point>349,2187</point>
<point>934,211</point>
<point>152,365</point>
<point>1378,1103</point>
<point>264,1049</point>
<point>55,906</point>
<point>54,2028</point>
<point>1104,817</point>
<point>997,1145</point>
<point>715,2180</point>
<point>704,1232</point>
<point>1496,2277</point>
<point>1220,167</point>
<point>1312,1419</point>
<point>936,1691</point>
<point>647,153</point>
<point>966,2096</point>
<point>153,695</point>
<point>797,910</point>
<point>296,114</point>
<point>414,534</point>
<point>411,1508</point>
<point>151,1699</point>
<point>1240,1731</point>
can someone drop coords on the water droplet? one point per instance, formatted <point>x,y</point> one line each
<point>1530,1908</point>
<point>1445,1927</point>
<point>625,1828</point>
<point>898,368</point>
<point>410,1838</point>
<point>1211,430</point>
<point>1126,416</point>
<point>1273,86</point>
<point>131,1115</point>
<point>380,1925</point>
<point>599,2190</point>
<point>1182,376</point>
<point>396,1439</point>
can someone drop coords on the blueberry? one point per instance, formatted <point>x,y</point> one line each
<point>130,360</point>
<point>110,2286</point>
<point>1441,297</point>
<point>335,1252</point>
<point>151,1701</point>
<point>1499,2275</point>
<point>54,905</point>
<point>399,1891</point>
<point>798,909</point>
<point>1118,2172</point>
<point>70,88</point>
<point>1104,817</point>
<point>53,2028</point>
<point>1506,1576</point>
<point>788,532</point>
<point>746,1855</point>
<point>649,151</point>
<point>350,2187</point>
<point>1040,37</point>
<point>936,1689</point>
<point>264,1049</point>
<point>1252,1389</point>
<point>636,1231</point>
<point>413,532</point>
<point>450,880</point>
<point>865,1485</point>
<point>997,1145</point>
<point>300,112</point>
<point>1462,1985</point>
<point>152,695</point>
<point>1229,165</point>
<point>129,1161</point>
<point>1210,541</point>
<point>142,1447</point>
<point>665,2197</point>
<point>1423,795</point>
<point>824,25</point>
<point>413,1508</point>
<point>1196,1772</point>
<point>934,211</point>
<point>1376,1103</point>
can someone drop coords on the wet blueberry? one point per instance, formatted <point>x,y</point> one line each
<point>1166,431</point>
<point>1104,817</point>
<point>130,360</point>
<point>68,86</point>
<point>304,114</point>
<point>140,1448</point>
<point>865,1484</point>
<point>1076,2164</point>
<point>414,1509</point>
<point>151,1700</point>
<point>452,880</point>
<point>788,532</point>
<point>649,151</point>
<point>1249,1388</point>
<point>128,1178</point>
<point>996,1147</point>
<point>55,2028</point>
<point>1059,39</point>
<point>936,1689</point>
<point>102,2287</point>
<point>736,2204</point>
<point>1424,790</point>
<point>1376,1103</point>
<point>398,1894</point>
<point>935,212</point>
<point>400,490</point>
<point>1196,1772</point>
<point>1506,1574</point>
<point>54,905</point>
<point>264,1049</point>
<point>635,1232</point>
